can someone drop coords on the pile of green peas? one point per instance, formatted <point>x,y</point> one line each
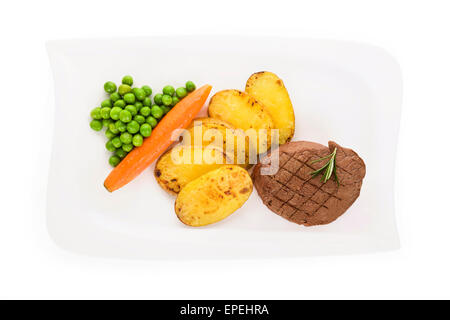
<point>129,115</point>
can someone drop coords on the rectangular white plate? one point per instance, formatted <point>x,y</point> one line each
<point>347,92</point>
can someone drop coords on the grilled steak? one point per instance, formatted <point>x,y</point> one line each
<point>292,192</point>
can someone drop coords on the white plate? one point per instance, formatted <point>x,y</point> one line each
<point>347,92</point>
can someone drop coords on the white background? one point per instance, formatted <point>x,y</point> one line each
<point>414,32</point>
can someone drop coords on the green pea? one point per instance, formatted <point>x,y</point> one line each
<point>126,137</point>
<point>96,113</point>
<point>157,112</point>
<point>146,130</point>
<point>124,89</point>
<point>138,105</point>
<point>109,134</point>
<point>119,103</point>
<point>106,103</point>
<point>147,102</point>
<point>137,140</point>
<point>169,90</point>
<point>127,147</point>
<point>131,109</point>
<point>158,99</point>
<point>113,129</point>
<point>139,119</point>
<point>127,80</point>
<point>140,94</point>
<point>190,86</point>
<point>181,92</point>
<point>106,122</point>
<point>122,127</point>
<point>166,100</point>
<point>96,125</point>
<point>148,90</point>
<point>105,112</point>
<point>121,153</point>
<point>114,160</point>
<point>114,96</point>
<point>151,121</point>
<point>165,109</point>
<point>115,113</point>
<point>175,100</point>
<point>109,146</point>
<point>125,116</point>
<point>129,98</point>
<point>116,142</point>
<point>133,127</point>
<point>109,87</point>
<point>145,111</point>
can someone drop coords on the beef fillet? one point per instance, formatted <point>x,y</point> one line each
<point>292,192</point>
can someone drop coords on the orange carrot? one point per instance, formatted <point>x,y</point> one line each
<point>140,158</point>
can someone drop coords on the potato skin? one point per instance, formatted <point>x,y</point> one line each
<point>213,196</point>
<point>269,90</point>
<point>243,112</point>
<point>172,177</point>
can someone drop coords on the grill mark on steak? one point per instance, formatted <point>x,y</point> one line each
<point>297,196</point>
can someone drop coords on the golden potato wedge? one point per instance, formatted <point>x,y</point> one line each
<point>270,91</point>
<point>209,132</point>
<point>213,196</point>
<point>215,132</point>
<point>209,120</point>
<point>243,112</point>
<point>172,175</point>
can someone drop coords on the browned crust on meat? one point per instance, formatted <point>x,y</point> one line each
<point>292,192</point>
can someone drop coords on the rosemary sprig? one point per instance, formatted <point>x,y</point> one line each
<point>329,169</point>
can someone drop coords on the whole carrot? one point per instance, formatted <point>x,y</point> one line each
<point>140,158</point>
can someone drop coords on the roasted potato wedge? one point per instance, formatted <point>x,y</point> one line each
<point>243,112</point>
<point>270,91</point>
<point>212,131</point>
<point>172,175</point>
<point>213,196</point>
<point>209,120</point>
<point>216,132</point>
